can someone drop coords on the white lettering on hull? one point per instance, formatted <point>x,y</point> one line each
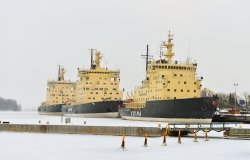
<point>135,113</point>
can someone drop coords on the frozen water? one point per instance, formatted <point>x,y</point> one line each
<point>34,117</point>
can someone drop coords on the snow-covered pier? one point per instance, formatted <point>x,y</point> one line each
<point>229,132</point>
<point>77,129</point>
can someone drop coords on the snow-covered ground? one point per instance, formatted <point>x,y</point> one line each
<point>30,146</point>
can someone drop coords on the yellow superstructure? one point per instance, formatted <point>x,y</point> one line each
<point>97,83</point>
<point>168,79</point>
<point>60,91</point>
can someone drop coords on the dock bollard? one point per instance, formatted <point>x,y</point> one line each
<point>146,140</point>
<point>123,142</point>
<point>179,137</point>
<point>195,136</point>
<point>206,137</point>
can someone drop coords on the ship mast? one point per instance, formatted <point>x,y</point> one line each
<point>147,57</point>
<point>98,58</point>
<point>62,72</point>
<point>91,60</point>
<point>169,45</point>
<point>58,76</point>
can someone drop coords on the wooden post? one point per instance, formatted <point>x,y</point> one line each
<point>146,140</point>
<point>206,137</point>
<point>123,141</point>
<point>179,137</point>
<point>195,136</point>
<point>165,133</point>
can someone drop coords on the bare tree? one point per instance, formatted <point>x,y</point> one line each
<point>246,96</point>
<point>207,93</point>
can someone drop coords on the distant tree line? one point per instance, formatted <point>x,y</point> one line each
<point>227,100</point>
<point>9,105</point>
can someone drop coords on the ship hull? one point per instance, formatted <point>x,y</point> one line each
<point>50,109</point>
<point>178,111</point>
<point>103,109</point>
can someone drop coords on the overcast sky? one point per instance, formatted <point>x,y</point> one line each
<point>38,35</point>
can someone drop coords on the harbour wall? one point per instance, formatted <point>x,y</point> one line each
<point>89,130</point>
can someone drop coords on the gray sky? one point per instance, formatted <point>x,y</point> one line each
<point>37,35</point>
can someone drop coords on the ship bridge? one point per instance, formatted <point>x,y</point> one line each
<point>82,73</point>
<point>176,66</point>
